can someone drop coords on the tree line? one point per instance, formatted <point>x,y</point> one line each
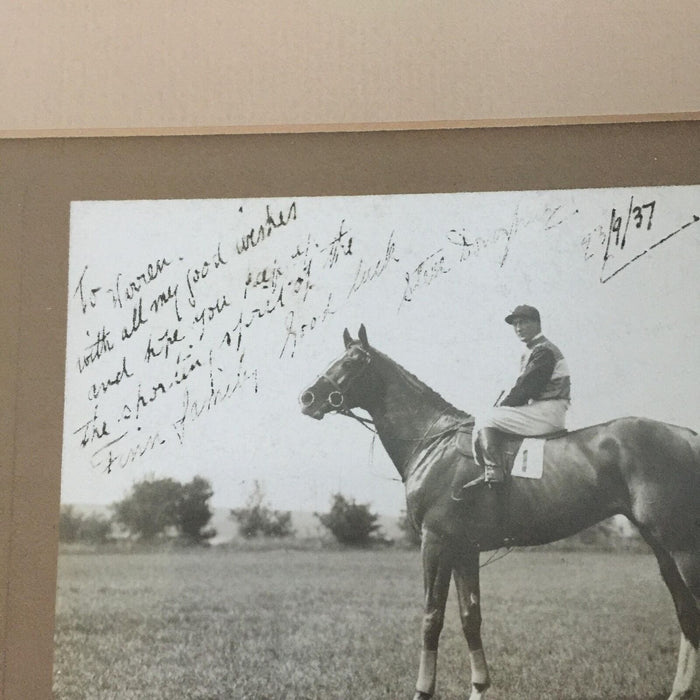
<point>153,509</point>
<point>160,509</point>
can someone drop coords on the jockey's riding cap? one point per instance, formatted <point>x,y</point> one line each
<point>523,311</point>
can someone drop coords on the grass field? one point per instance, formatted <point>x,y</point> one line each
<point>228,624</point>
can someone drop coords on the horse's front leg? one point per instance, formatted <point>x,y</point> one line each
<point>437,568</point>
<point>466,575</point>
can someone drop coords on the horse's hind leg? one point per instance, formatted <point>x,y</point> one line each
<point>681,573</point>
<point>688,565</point>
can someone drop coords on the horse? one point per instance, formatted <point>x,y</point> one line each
<point>647,470</point>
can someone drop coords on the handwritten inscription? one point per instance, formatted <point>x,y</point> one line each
<point>631,234</point>
<point>160,340</point>
<point>425,273</point>
<point>261,233</point>
<point>167,344</point>
<point>368,271</point>
<point>95,350</point>
<point>152,335</point>
<point>176,337</point>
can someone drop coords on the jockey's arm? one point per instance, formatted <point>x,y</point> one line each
<point>534,378</point>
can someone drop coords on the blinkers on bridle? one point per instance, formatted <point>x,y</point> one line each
<point>340,387</point>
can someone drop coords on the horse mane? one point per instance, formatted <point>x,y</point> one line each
<point>423,389</point>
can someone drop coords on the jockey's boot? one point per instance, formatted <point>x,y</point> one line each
<point>494,472</point>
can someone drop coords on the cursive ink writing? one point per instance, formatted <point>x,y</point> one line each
<point>367,273</point>
<point>297,328</point>
<point>122,293</point>
<point>87,296</point>
<point>110,454</point>
<point>187,329</point>
<point>556,216</point>
<point>137,320</point>
<point>261,233</point>
<point>101,387</point>
<point>195,275</point>
<point>95,350</point>
<point>424,274</point>
<point>165,341</point>
<point>193,408</point>
<point>339,246</point>
<point>93,429</point>
<point>208,313</point>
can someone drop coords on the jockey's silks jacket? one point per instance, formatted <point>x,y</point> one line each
<point>544,375</point>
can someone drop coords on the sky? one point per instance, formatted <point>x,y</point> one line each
<point>194,325</point>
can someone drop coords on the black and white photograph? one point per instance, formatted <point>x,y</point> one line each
<point>435,445</point>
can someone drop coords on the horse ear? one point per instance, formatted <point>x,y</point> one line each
<point>346,338</point>
<point>362,334</point>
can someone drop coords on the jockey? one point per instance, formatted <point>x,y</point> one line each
<point>538,402</point>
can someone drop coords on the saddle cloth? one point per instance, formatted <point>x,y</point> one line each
<point>528,461</point>
<point>522,456</point>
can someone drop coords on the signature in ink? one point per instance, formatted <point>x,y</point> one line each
<point>109,455</point>
<point>424,274</point>
<point>195,407</point>
<point>556,216</point>
<point>471,245</point>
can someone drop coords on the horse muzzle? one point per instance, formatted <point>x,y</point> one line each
<point>317,408</point>
<point>309,406</point>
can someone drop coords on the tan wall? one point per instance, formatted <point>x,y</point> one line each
<point>228,65</point>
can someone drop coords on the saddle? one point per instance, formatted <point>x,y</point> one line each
<point>464,481</point>
<point>509,447</point>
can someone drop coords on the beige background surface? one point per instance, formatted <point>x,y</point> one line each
<point>230,66</point>
<point>70,67</point>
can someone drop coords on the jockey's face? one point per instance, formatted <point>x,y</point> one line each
<point>526,328</point>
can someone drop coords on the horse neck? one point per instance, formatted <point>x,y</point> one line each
<point>406,411</point>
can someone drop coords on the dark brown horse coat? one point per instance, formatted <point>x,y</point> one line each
<point>644,469</point>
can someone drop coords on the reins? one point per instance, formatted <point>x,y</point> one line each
<point>337,403</point>
<point>364,422</point>
<point>427,437</point>
<point>367,422</point>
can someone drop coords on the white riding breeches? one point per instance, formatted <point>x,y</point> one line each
<point>536,418</point>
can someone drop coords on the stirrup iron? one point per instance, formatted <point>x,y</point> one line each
<point>493,474</point>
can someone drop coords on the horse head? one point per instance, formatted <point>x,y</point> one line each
<point>346,384</point>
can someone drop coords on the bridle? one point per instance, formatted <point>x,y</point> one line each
<point>340,387</point>
<point>336,400</point>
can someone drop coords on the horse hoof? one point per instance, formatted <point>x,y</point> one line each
<point>479,691</point>
<point>681,695</point>
<point>420,695</point>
